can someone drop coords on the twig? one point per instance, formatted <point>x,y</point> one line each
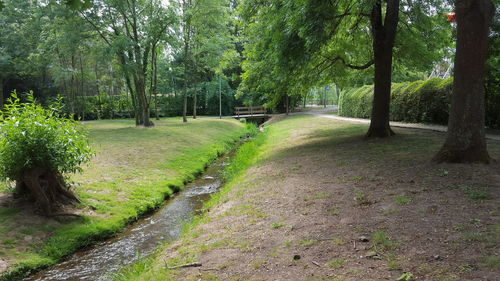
<point>194,264</point>
<point>316,264</point>
<point>64,215</point>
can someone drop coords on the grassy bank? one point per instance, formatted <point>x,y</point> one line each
<point>148,268</point>
<point>134,170</point>
<point>321,203</point>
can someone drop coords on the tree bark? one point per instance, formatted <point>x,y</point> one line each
<point>194,103</point>
<point>46,187</point>
<point>1,93</point>
<point>465,141</point>
<point>154,79</point>
<point>187,38</point>
<point>287,106</point>
<point>384,34</point>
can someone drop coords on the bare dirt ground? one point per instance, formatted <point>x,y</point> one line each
<point>324,204</point>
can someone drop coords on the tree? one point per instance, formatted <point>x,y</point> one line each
<point>465,141</point>
<point>296,45</point>
<point>208,45</point>
<point>37,147</point>
<point>383,28</point>
<point>132,29</point>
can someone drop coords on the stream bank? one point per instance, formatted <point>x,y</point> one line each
<point>143,196</point>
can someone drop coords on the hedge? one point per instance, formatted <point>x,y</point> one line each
<point>424,101</point>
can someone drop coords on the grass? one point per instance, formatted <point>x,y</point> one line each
<point>405,149</point>
<point>134,170</point>
<point>276,225</point>
<point>382,242</point>
<point>402,200</point>
<point>475,193</point>
<point>307,242</point>
<point>336,263</point>
<point>152,267</point>
<point>492,262</point>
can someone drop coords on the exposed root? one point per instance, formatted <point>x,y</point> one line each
<point>47,188</point>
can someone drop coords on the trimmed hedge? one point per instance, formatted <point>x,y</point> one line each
<point>425,101</point>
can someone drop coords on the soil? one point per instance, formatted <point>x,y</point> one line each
<point>321,207</point>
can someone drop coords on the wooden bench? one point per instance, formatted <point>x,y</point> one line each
<point>249,110</point>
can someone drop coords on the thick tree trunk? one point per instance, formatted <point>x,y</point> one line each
<point>465,142</point>
<point>47,188</point>
<point>384,35</point>
<point>143,102</point>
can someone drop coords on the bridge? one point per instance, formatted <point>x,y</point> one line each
<point>249,112</point>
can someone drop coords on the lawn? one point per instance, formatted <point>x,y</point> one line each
<point>133,171</point>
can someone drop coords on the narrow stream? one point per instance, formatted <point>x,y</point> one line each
<point>143,237</point>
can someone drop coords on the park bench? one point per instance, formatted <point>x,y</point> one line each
<point>244,111</point>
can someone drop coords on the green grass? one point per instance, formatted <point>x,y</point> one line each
<point>276,225</point>
<point>382,242</point>
<point>336,263</point>
<point>343,141</point>
<point>152,268</point>
<point>402,200</point>
<point>134,170</point>
<point>475,193</point>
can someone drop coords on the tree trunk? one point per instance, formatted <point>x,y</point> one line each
<point>384,35</point>
<point>287,106</point>
<point>465,141</point>
<point>194,103</point>
<point>154,78</point>
<point>1,93</point>
<point>187,39</point>
<point>47,188</point>
<point>140,87</point>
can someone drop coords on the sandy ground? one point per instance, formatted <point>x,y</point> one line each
<point>318,208</point>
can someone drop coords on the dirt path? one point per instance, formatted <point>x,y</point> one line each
<point>322,204</point>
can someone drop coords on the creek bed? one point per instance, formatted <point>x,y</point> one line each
<point>141,238</point>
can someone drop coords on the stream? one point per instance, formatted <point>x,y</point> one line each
<point>141,238</point>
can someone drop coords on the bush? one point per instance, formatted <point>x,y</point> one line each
<point>37,146</point>
<point>419,101</point>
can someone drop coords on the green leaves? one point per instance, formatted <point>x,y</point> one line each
<point>32,136</point>
<point>78,4</point>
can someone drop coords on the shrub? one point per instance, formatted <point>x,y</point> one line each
<point>419,101</point>
<point>37,147</point>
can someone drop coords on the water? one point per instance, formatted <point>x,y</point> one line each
<point>141,238</point>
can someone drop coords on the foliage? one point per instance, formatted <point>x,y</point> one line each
<point>293,46</point>
<point>176,154</point>
<point>418,101</point>
<point>32,136</point>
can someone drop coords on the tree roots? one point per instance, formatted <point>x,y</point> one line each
<point>47,188</point>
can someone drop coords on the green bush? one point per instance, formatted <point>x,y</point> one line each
<point>32,136</point>
<point>419,101</point>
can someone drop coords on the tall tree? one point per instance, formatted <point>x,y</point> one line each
<point>296,45</point>
<point>465,140</point>
<point>383,28</point>
<point>132,28</point>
